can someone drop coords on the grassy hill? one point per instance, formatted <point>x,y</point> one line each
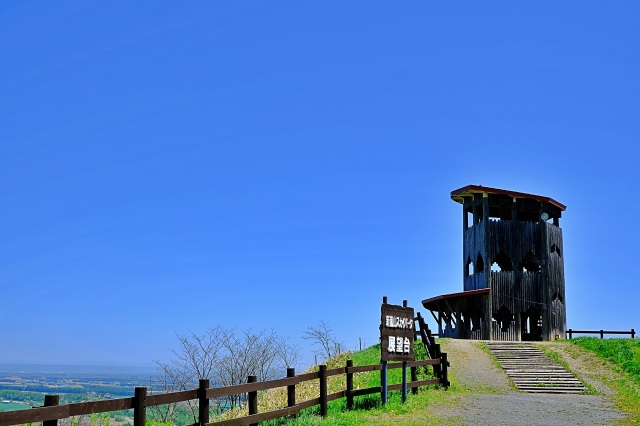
<point>368,409</point>
<point>618,365</point>
<point>615,362</point>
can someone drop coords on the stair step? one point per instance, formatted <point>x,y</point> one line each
<point>547,383</point>
<point>544,379</point>
<point>554,391</point>
<point>532,371</point>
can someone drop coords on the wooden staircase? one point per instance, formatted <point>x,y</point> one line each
<point>532,371</point>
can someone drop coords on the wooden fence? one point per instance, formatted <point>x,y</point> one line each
<point>52,412</point>
<point>571,332</point>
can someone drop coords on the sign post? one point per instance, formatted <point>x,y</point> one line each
<point>396,341</point>
<point>383,382</point>
<point>404,381</point>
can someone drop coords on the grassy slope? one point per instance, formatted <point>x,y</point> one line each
<point>367,409</point>
<point>613,363</point>
<point>624,354</point>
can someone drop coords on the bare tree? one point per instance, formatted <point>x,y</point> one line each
<point>199,354</point>
<point>263,354</point>
<point>227,358</point>
<point>196,358</point>
<point>249,354</point>
<point>322,336</point>
<point>289,354</point>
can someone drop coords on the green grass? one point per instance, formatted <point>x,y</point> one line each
<point>624,356</point>
<point>623,352</point>
<point>371,356</point>
<point>368,410</point>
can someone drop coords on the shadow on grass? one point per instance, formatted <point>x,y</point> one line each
<point>367,402</point>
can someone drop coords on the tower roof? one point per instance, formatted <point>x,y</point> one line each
<point>469,190</point>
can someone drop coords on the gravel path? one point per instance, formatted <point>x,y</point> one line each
<point>493,401</point>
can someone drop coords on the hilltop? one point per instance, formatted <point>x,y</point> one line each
<point>481,393</point>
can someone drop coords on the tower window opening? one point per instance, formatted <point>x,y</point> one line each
<point>531,325</point>
<point>469,269</point>
<point>502,262</point>
<point>479,267</point>
<point>503,317</point>
<point>475,324</point>
<point>530,263</point>
<point>477,214</point>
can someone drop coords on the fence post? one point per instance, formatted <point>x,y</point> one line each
<point>252,399</point>
<point>203,402</point>
<point>139,406</point>
<point>404,381</point>
<point>432,347</point>
<point>50,401</point>
<point>633,333</point>
<point>291,390</point>
<point>424,335</point>
<point>349,384</point>
<point>444,379</point>
<point>570,333</point>
<point>383,382</point>
<point>322,376</point>
<point>436,355</point>
<point>601,334</point>
<point>414,378</point>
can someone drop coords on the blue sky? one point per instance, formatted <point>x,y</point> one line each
<point>170,166</point>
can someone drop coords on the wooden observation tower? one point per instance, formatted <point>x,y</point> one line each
<point>513,269</point>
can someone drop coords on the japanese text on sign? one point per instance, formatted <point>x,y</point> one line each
<point>399,322</point>
<point>398,344</point>
<point>396,332</point>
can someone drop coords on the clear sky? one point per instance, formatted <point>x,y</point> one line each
<point>170,166</point>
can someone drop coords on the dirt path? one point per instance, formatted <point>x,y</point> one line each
<point>485,396</point>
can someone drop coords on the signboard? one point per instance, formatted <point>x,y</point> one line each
<point>397,333</point>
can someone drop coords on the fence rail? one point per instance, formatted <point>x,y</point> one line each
<point>571,332</point>
<point>52,412</point>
